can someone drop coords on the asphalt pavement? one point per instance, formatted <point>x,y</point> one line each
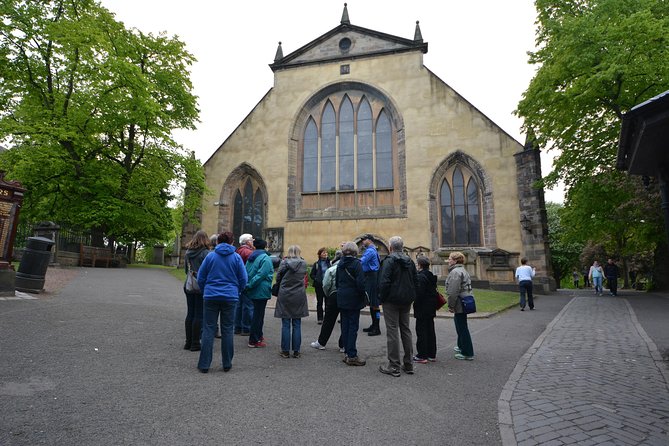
<point>101,362</point>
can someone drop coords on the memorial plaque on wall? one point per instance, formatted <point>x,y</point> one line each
<point>11,198</point>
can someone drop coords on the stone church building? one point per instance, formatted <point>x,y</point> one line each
<point>357,136</point>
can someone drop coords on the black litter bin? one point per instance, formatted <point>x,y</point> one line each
<point>32,269</point>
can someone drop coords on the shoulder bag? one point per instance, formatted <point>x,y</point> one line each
<point>191,280</point>
<point>468,304</point>
<point>441,300</point>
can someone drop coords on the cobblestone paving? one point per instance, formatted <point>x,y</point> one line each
<point>593,377</point>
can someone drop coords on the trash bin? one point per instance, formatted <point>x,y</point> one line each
<point>32,269</point>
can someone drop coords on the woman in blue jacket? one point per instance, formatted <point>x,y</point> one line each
<point>222,277</point>
<point>259,289</point>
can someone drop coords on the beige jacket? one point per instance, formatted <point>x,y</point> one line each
<point>458,283</point>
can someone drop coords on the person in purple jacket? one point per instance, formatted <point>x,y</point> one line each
<point>222,277</point>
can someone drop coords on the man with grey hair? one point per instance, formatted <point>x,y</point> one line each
<point>244,310</point>
<point>397,291</point>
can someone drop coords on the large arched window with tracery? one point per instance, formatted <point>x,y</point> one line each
<point>460,208</point>
<point>349,147</point>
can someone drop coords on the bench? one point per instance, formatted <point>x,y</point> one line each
<point>93,256</point>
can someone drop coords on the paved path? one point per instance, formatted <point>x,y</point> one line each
<point>593,377</point>
<point>100,362</point>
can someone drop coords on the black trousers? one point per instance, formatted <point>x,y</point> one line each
<point>612,281</point>
<point>329,321</point>
<point>426,338</point>
<point>320,297</point>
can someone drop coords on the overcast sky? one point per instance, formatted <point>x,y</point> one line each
<point>478,47</point>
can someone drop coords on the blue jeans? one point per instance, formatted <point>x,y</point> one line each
<point>244,314</point>
<point>286,335</point>
<point>597,283</point>
<point>258,320</point>
<point>212,309</point>
<point>350,322</point>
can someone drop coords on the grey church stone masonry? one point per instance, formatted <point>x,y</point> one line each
<point>532,206</point>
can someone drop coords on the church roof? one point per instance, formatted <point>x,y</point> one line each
<point>346,42</point>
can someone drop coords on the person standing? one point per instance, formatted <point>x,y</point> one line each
<point>575,278</point>
<point>317,272</point>
<point>260,271</point>
<point>291,303</point>
<point>331,308</point>
<point>524,275</point>
<point>196,250</point>
<point>612,273</point>
<point>586,279</point>
<point>397,291</point>
<point>596,275</point>
<point>425,310</point>
<point>350,283</point>
<point>222,277</point>
<point>459,283</point>
<point>370,266</point>
<point>244,311</point>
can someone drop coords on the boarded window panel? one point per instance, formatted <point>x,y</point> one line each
<point>238,213</point>
<point>247,224</point>
<point>310,160</point>
<point>258,218</point>
<point>365,167</point>
<point>446,205</point>
<point>459,208</point>
<point>346,134</point>
<point>328,149</point>
<point>474,219</point>
<point>384,153</point>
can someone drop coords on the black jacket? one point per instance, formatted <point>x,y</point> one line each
<point>397,280</point>
<point>426,295</point>
<point>611,270</point>
<point>316,274</point>
<point>350,284</point>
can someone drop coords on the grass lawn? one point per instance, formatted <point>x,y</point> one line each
<point>490,301</point>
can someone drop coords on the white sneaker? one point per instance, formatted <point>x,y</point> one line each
<point>318,346</point>
<point>342,350</point>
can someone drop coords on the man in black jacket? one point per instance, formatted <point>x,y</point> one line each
<point>612,272</point>
<point>397,291</point>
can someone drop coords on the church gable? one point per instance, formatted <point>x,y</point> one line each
<point>348,41</point>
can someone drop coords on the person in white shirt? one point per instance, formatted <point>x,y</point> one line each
<point>524,275</point>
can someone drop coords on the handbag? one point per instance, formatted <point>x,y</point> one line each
<point>275,288</point>
<point>191,281</point>
<point>468,304</point>
<point>441,300</point>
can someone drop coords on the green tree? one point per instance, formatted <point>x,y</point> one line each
<point>597,59</point>
<point>88,109</point>
<point>564,252</point>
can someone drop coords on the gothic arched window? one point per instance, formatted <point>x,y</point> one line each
<point>460,216</point>
<point>248,217</point>
<point>349,149</point>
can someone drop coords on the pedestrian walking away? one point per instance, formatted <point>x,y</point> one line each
<point>196,250</point>
<point>612,272</point>
<point>459,283</point>
<point>222,277</point>
<point>291,303</point>
<point>317,272</point>
<point>260,271</point>
<point>524,275</point>
<point>350,284</point>
<point>424,310</point>
<point>397,291</point>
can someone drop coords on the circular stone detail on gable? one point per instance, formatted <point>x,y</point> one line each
<point>345,44</point>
